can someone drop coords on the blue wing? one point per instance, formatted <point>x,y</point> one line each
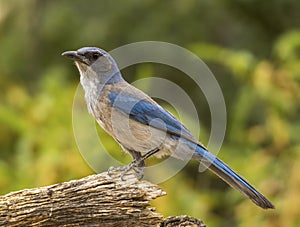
<point>146,112</point>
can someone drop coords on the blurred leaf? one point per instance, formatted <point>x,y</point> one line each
<point>288,46</point>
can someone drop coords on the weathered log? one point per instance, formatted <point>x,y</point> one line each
<point>97,200</point>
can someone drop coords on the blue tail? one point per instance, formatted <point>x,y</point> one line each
<point>231,177</point>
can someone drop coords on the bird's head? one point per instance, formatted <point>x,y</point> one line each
<point>95,64</point>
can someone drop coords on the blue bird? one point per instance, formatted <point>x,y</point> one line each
<point>140,125</point>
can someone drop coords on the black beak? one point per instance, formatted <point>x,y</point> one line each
<point>74,56</point>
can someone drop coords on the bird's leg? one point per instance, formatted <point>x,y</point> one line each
<point>150,153</point>
<point>138,160</point>
<point>138,163</point>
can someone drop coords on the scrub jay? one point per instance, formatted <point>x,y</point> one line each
<point>140,125</point>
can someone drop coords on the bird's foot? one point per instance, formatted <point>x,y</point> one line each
<point>123,171</point>
<point>138,168</point>
<point>137,165</point>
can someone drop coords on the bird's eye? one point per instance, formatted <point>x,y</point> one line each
<point>95,55</point>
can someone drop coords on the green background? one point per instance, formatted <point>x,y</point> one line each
<point>253,49</point>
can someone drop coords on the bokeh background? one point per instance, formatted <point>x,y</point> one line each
<point>252,47</point>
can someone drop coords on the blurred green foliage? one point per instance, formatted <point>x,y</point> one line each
<point>253,48</point>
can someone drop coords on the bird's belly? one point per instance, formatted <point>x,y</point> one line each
<point>133,135</point>
<point>136,136</point>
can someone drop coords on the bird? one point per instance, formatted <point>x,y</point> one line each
<point>140,125</point>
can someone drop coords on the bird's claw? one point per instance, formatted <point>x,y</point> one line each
<point>134,165</point>
<point>138,171</point>
<point>137,165</point>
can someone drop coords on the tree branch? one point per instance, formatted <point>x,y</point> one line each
<point>96,200</point>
